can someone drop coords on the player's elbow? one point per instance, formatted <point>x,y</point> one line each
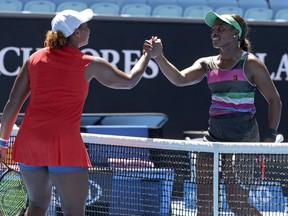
<point>122,85</point>
<point>275,101</point>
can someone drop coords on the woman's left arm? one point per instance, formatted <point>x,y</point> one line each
<point>259,74</point>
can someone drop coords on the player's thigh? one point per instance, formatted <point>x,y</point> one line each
<point>72,188</point>
<point>38,186</point>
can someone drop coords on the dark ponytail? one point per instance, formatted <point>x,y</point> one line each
<point>245,44</point>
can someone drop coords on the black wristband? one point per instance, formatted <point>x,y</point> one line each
<point>271,133</point>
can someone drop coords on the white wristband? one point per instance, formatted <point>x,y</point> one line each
<point>4,143</point>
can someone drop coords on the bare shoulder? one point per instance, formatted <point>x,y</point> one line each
<point>252,59</point>
<point>254,68</point>
<point>98,67</point>
<point>204,61</point>
<point>254,64</point>
<point>92,68</point>
<point>97,62</point>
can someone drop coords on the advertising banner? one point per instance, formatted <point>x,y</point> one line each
<point>120,41</point>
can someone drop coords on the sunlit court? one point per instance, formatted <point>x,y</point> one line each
<point>150,86</point>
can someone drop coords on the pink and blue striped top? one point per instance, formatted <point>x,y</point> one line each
<point>231,90</point>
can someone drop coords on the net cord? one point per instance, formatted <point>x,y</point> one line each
<point>186,145</point>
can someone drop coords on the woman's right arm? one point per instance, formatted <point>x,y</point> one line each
<point>188,76</point>
<point>19,93</point>
<point>112,77</point>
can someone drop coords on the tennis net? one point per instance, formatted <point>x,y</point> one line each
<point>152,176</point>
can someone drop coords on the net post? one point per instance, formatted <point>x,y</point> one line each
<point>215,179</point>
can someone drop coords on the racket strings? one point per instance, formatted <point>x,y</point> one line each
<point>13,196</point>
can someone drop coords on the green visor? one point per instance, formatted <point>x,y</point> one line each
<point>212,16</point>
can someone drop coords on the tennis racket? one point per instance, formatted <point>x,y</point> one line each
<point>13,195</point>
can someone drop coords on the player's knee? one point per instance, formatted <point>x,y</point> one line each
<point>73,208</point>
<point>40,201</point>
<point>35,210</point>
<point>73,211</point>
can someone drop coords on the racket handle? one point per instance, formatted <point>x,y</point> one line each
<point>4,143</point>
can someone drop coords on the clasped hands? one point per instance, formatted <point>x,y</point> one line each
<point>153,47</point>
